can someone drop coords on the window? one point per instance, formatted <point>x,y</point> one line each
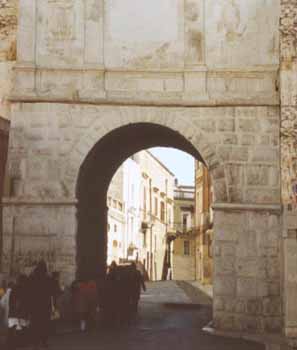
<point>169,216</point>
<point>186,247</point>
<point>144,239</point>
<point>115,228</point>
<point>144,203</point>
<point>162,212</point>
<point>108,227</point>
<point>185,222</point>
<point>115,244</point>
<point>156,206</point>
<point>132,191</point>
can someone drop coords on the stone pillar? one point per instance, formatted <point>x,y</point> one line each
<point>91,239</point>
<point>94,75</point>
<point>26,47</point>
<point>26,41</point>
<point>247,272</point>
<point>94,33</point>
<point>195,65</point>
<point>288,85</point>
<point>39,229</point>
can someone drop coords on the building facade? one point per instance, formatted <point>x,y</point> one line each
<point>116,219</point>
<point>157,184</point>
<point>138,231</point>
<point>92,83</point>
<point>183,238</point>
<point>203,224</point>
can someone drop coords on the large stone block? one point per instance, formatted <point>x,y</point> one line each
<point>246,287</point>
<point>224,285</point>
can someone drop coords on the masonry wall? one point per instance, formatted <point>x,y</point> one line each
<point>8,30</point>
<point>87,67</point>
<point>247,254</point>
<point>288,79</point>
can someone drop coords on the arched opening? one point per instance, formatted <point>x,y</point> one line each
<point>94,178</point>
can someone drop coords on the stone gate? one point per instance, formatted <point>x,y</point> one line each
<point>93,80</point>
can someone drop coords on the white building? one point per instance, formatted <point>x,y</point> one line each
<point>132,183</point>
<point>140,201</point>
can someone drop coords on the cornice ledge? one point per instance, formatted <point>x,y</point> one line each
<point>276,207</point>
<point>6,202</point>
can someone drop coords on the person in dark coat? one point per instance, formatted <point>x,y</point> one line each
<point>18,314</point>
<point>109,300</point>
<point>136,284</point>
<point>41,294</point>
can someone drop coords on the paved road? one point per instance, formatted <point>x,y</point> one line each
<point>165,321</point>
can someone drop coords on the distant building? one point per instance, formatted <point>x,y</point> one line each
<point>157,188</point>
<point>116,218</point>
<point>203,223</point>
<point>144,187</point>
<point>132,189</point>
<point>183,239</point>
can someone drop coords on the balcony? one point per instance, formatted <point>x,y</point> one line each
<point>178,229</point>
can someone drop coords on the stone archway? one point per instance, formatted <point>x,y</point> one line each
<point>177,120</point>
<point>247,218</point>
<point>95,175</point>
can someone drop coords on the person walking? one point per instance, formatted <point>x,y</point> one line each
<point>4,303</point>
<point>137,283</point>
<point>18,314</point>
<point>110,300</point>
<point>41,294</point>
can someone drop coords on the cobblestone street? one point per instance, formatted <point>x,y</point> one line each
<point>166,321</point>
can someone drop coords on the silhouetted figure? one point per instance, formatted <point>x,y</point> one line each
<point>56,288</point>
<point>41,294</point>
<point>110,300</point>
<point>57,293</point>
<point>18,314</point>
<point>136,284</point>
<point>4,303</point>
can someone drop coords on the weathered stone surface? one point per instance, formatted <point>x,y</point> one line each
<point>210,74</point>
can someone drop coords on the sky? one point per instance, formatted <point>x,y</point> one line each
<point>181,164</point>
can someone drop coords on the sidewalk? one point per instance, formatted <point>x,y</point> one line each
<point>198,294</point>
<point>205,288</point>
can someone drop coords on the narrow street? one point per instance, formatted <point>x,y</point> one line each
<point>166,320</point>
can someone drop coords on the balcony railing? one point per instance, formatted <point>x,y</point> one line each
<point>181,229</point>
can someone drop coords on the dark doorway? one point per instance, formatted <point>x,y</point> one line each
<point>94,178</point>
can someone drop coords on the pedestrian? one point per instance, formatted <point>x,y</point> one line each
<point>56,288</point>
<point>79,304</point>
<point>41,294</point>
<point>18,314</point>
<point>136,284</point>
<point>57,292</point>
<point>90,300</point>
<point>4,303</point>
<point>110,300</point>
<point>3,288</point>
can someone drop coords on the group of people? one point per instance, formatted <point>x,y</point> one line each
<point>116,296</point>
<point>121,294</point>
<point>33,304</point>
<point>28,304</point>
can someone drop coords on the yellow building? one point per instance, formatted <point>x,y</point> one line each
<point>157,188</point>
<point>140,202</point>
<point>183,246</point>
<point>203,223</point>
